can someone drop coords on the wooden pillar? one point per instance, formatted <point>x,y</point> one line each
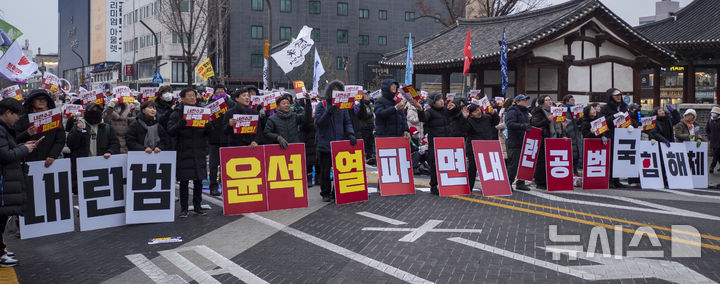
<point>445,83</point>
<point>562,84</point>
<point>521,76</point>
<point>656,86</point>
<point>480,80</point>
<point>637,86</point>
<point>690,74</point>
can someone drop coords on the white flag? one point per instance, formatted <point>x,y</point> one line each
<point>15,66</point>
<point>318,71</point>
<point>293,55</point>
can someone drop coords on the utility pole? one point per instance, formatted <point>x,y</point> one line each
<point>156,44</point>
<point>270,80</point>
<point>82,68</point>
<point>219,43</point>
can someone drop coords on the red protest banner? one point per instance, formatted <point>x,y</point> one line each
<point>474,94</point>
<point>148,93</point>
<point>648,123</point>
<point>491,168</point>
<point>558,164</point>
<point>622,121</point>
<point>450,166</point>
<point>485,104</point>
<point>256,101</point>
<point>196,116</point>
<point>13,91</point>
<point>577,111</point>
<point>528,156</point>
<point>46,120</point>
<point>398,98</point>
<point>500,101</point>
<point>94,96</point>
<point>558,114</point>
<point>217,108</point>
<point>410,89</point>
<point>123,94</point>
<point>596,164</point>
<point>342,99</point>
<point>50,82</point>
<point>299,87</point>
<point>243,180</point>
<point>395,171</point>
<point>286,176</point>
<point>269,101</point>
<point>355,90</point>
<point>349,171</point>
<point>599,126</point>
<point>449,97</point>
<point>71,109</point>
<point>246,124</point>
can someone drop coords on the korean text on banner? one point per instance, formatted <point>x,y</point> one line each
<point>648,157</point>
<point>205,69</point>
<point>395,171</point>
<point>256,101</point>
<point>624,151</point>
<point>622,121</point>
<point>51,82</point>
<point>150,194</point>
<point>94,96</point>
<point>148,93</point>
<point>596,164</point>
<point>450,166</point>
<point>599,126</point>
<point>269,101</point>
<point>355,90</point>
<point>648,123</point>
<point>697,159</point>
<point>13,91</point>
<point>196,116</point>
<point>48,201</point>
<point>410,89</point>
<point>559,114</point>
<point>101,191</point>
<point>246,124</point>
<point>349,171</point>
<point>217,108</point>
<point>342,99</point>
<point>46,120</point>
<point>243,176</point>
<point>677,167</point>
<point>491,168</point>
<point>577,111</point>
<point>70,110</point>
<point>558,164</point>
<point>299,88</point>
<point>286,176</point>
<point>123,94</point>
<point>529,154</point>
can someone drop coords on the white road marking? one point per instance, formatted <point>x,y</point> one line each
<point>661,209</point>
<point>416,233</point>
<point>381,218</point>
<point>152,271</point>
<point>382,267</point>
<point>202,276</point>
<point>683,192</point>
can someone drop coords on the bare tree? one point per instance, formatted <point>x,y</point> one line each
<point>305,72</point>
<point>196,24</point>
<point>454,9</point>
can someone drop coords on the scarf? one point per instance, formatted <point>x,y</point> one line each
<point>93,139</point>
<point>282,114</point>
<point>152,136</point>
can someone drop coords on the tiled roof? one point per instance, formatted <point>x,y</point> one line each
<point>697,23</point>
<point>522,30</point>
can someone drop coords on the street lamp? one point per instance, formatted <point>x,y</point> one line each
<point>270,81</point>
<point>82,67</point>
<point>156,44</point>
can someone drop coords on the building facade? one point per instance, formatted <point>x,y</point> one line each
<point>663,10</point>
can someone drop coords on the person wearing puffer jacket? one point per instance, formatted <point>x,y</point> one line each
<point>333,124</point>
<point>437,119</point>
<point>713,132</point>
<point>614,108</point>
<point>146,133</point>
<point>50,148</point>
<point>283,126</point>
<point>390,118</point>
<point>118,116</point>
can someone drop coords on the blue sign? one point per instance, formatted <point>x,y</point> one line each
<point>626,99</point>
<point>157,79</point>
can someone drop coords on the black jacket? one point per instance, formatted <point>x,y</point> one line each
<point>713,131</point>
<point>333,124</point>
<point>52,145</point>
<point>389,122</point>
<point>586,127</point>
<point>286,125</point>
<point>610,109</point>
<point>241,139</point>
<point>135,136</point>
<point>191,145</point>
<point>12,189</point>
<point>482,128</point>
<point>437,122</point>
<point>366,109</point>
<point>217,135</point>
<point>78,140</point>
<point>516,121</point>
<point>164,109</point>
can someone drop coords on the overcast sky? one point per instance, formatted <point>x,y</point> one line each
<point>38,19</point>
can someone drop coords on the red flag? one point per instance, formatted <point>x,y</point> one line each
<point>468,53</point>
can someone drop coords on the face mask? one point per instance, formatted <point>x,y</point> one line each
<point>167,97</point>
<point>93,117</point>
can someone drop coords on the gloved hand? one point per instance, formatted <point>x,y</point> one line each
<point>352,139</point>
<point>283,143</point>
<point>528,127</point>
<point>698,142</point>
<point>691,137</point>
<point>604,140</point>
<point>670,108</point>
<point>652,142</point>
<point>667,143</point>
<point>399,106</point>
<point>630,128</point>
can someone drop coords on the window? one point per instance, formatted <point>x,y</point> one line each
<point>315,35</point>
<point>257,5</point>
<point>364,13</point>
<point>142,41</point>
<point>185,6</point>
<point>437,17</point>
<point>314,7</point>
<point>364,40</point>
<point>409,16</point>
<point>135,16</point>
<point>179,72</point>
<point>142,13</point>
<point>382,14</point>
<point>149,40</point>
<point>286,6</point>
<point>342,9</point>
<point>285,33</point>
<point>177,39</point>
<point>342,36</point>
<point>159,37</point>
<point>406,40</point>
<point>256,60</point>
<point>340,62</point>
<point>157,6</point>
<point>382,40</point>
<point>257,32</point>
<point>135,44</point>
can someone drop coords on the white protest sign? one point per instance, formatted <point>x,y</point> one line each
<point>677,168</point>
<point>101,191</point>
<point>698,159</point>
<point>624,152</point>
<point>150,197</point>
<point>49,208</point>
<point>648,158</point>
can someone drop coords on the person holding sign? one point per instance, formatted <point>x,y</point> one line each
<point>713,131</point>
<point>282,127</point>
<point>146,133</point>
<point>541,118</point>
<point>390,120</point>
<point>590,114</point>
<point>53,141</point>
<point>687,129</point>
<point>91,137</point>
<point>438,120</point>
<point>242,107</point>
<point>333,124</point>
<point>571,129</point>
<point>614,108</point>
<point>12,199</point>
<point>165,104</point>
<point>517,122</point>
<point>217,138</point>
<point>117,114</point>
<point>191,146</point>
<point>477,126</point>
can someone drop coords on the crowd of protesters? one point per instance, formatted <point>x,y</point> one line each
<point>158,125</point>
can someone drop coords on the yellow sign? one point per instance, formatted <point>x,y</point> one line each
<point>351,177</point>
<point>205,69</point>
<point>244,186</point>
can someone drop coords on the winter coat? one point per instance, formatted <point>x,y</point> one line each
<point>308,135</point>
<point>713,131</point>
<point>135,136</point>
<point>610,109</point>
<point>682,132</point>
<point>12,184</point>
<point>482,128</point>
<point>437,122</point>
<point>542,119</point>
<point>286,125</point>
<point>217,135</point>
<point>389,122</point>
<point>241,139</point>
<point>119,120</point>
<point>413,119</point>
<point>366,111</point>
<point>78,140</point>
<point>517,119</point>
<point>164,109</point>
<point>572,130</point>
<point>333,125</point>
<point>191,145</point>
<point>54,141</point>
